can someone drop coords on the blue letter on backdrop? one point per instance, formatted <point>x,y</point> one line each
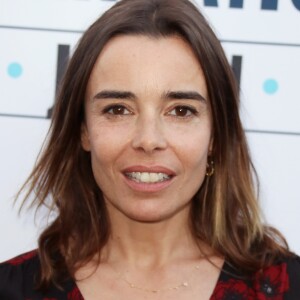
<point>236,3</point>
<point>269,4</point>
<point>297,4</point>
<point>63,55</point>
<point>236,65</point>
<point>211,3</point>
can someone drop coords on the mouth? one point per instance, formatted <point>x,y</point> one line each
<point>148,177</point>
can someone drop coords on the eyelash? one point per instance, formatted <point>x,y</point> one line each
<point>107,110</point>
<point>191,110</point>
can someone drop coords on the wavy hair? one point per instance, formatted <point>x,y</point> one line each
<point>225,212</point>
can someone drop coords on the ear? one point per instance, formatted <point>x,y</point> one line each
<point>85,139</point>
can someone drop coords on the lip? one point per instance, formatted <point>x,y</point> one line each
<point>148,187</point>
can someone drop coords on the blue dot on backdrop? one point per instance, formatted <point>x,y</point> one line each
<point>270,86</point>
<point>14,70</point>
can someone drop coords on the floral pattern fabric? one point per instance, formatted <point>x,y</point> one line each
<point>278,282</point>
<point>271,284</point>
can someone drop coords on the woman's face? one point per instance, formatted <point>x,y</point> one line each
<point>147,127</point>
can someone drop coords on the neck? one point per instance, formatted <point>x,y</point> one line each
<point>150,245</point>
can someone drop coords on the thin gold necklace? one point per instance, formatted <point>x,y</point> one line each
<point>183,284</point>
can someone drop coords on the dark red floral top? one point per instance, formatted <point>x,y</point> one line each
<point>278,282</point>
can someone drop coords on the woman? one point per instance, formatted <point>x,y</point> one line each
<point>148,170</point>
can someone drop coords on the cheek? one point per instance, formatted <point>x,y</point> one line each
<point>191,144</point>
<point>107,142</point>
<point>104,151</point>
<point>193,158</point>
<point>192,153</point>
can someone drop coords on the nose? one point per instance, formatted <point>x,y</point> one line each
<point>149,135</point>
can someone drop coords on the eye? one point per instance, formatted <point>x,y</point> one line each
<point>116,110</point>
<point>183,111</point>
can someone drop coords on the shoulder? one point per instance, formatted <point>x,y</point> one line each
<point>21,259</point>
<point>293,276</point>
<point>22,265</point>
<point>281,278</point>
<point>279,281</point>
<point>17,274</point>
<point>18,278</point>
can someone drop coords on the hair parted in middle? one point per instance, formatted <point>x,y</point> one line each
<point>224,213</point>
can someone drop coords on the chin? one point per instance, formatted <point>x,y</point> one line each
<point>153,214</point>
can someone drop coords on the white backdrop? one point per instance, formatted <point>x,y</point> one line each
<point>264,34</point>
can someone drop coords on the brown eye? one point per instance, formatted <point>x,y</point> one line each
<point>117,110</point>
<point>182,111</point>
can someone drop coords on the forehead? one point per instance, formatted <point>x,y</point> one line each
<point>134,62</point>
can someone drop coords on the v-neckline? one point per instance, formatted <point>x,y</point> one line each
<point>223,272</point>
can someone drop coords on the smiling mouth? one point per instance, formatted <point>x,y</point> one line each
<point>146,177</point>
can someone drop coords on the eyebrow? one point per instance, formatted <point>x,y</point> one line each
<point>178,95</point>
<point>189,95</point>
<point>114,94</point>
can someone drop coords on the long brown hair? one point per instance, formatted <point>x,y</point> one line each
<point>225,212</point>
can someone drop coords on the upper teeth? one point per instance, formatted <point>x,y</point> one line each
<point>147,177</point>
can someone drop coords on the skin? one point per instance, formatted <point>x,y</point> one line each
<point>148,127</point>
